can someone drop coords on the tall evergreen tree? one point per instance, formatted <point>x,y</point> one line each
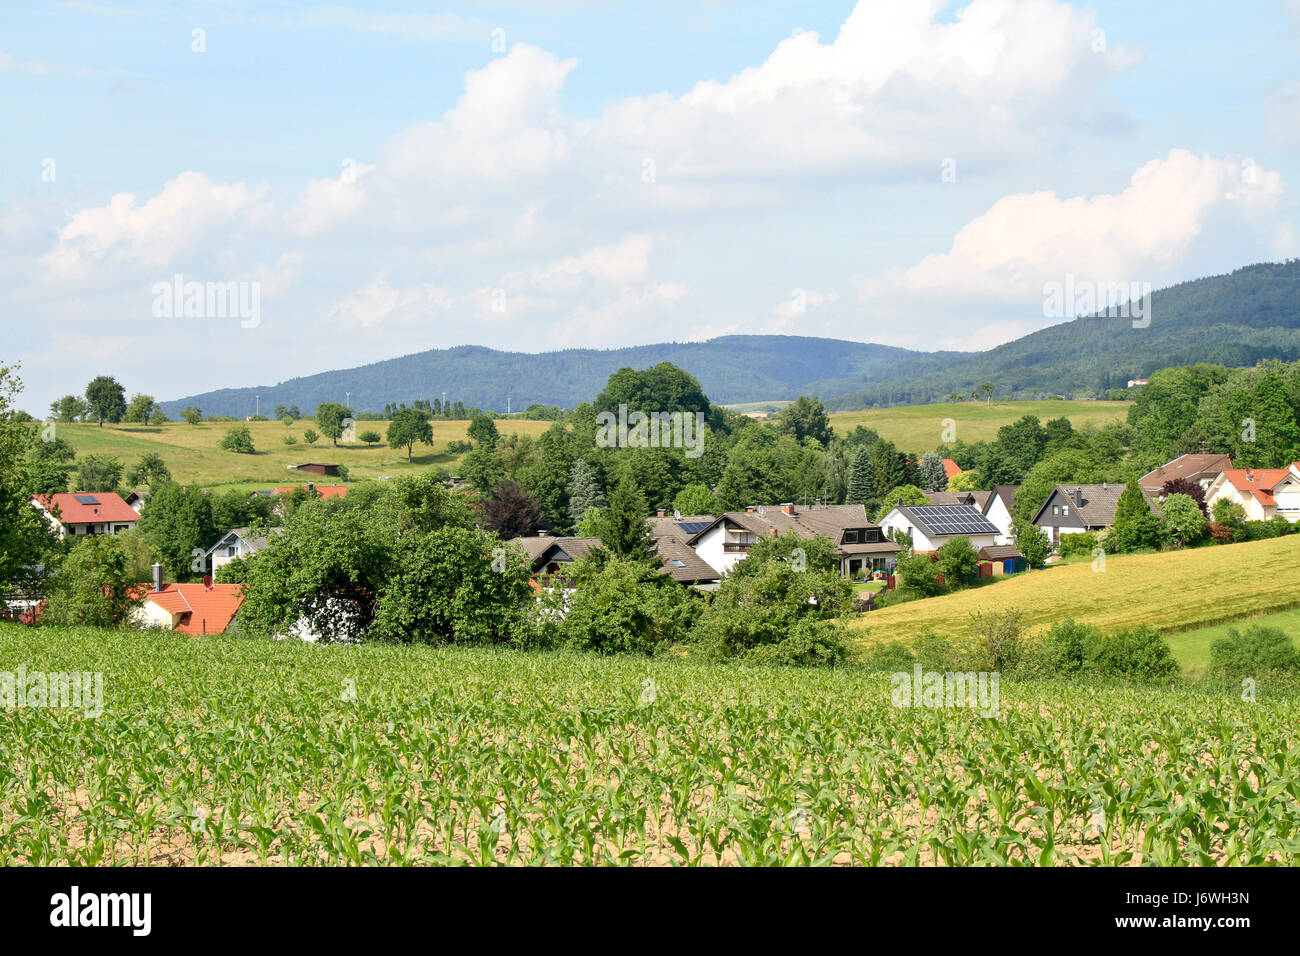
<point>622,527</point>
<point>584,491</point>
<point>933,475</point>
<point>861,478</point>
<point>1135,526</point>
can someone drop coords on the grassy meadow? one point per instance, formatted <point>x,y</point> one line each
<point>1172,591</point>
<point>233,751</point>
<point>194,455</point>
<point>918,428</point>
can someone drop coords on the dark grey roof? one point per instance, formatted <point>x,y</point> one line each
<point>1095,504</point>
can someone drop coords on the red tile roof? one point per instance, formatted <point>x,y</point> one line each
<point>326,491</point>
<point>111,508</point>
<point>951,468</point>
<point>1259,482</point>
<point>201,609</point>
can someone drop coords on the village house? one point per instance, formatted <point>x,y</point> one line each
<point>994,505</point>
<point>236,543</point>
<point>551,554</point>
<point>862,546</point>
<point>77,514</point>
<point>204,608</point>
<point>1263,492</point>
<point>1075,509</point>
<point>1202,469</point>
<point>930,527</point>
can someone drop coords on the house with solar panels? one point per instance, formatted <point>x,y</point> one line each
<point>930,527</point>
<point>74,515</point>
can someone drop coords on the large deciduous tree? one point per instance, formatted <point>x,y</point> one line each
<point>107,399</point>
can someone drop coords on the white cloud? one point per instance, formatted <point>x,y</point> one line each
<point>1001,260</point>
<point>380,303</point>
<point>152,233</point>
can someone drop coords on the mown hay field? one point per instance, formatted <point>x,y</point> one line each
<point>1173,591</point>
<point>195,456</point>
<point>919,428</point>
<point>235,751</point>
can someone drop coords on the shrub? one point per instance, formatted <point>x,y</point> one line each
<point>289,440</point>
<point>238,440</point>
<point>808,643</point>
<point>1066,649</point>
<point>1256,650</point>
<point>624,607</point>
<point>371,437</point>
<point>1138,653</point>
<point>1077,545</point>
<point>889,656</point>
<point>999,637</point>
<point>958,562</point>
<point>918,573</point>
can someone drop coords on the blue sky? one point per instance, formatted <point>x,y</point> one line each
<point>400,176</point>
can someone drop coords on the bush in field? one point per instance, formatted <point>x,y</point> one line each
<point>239,440</point>
<point>370,437</point>
<point>998,634</point>
<point>1138,653</point>
<point>1253,652</point>
<point>889,656</point>
<point>767,608</point>
<point>92,587</point>
<point>1077,545</point>
<point>1071,649</point>
<point>621,606</point>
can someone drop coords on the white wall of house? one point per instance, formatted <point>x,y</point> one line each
<point>1001,518</point>
<point>1287,495</point>
<point>712,547</point>
<point>228,550</point>
<point>1255,509</point>
<point>149,614</point>
<point>897,521</point>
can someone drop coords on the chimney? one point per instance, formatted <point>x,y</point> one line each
<point>772,533</point>
<point>751,508</point>
<point>207,581</point>
<point>662,513</point>
<point>157,578</point>
<point>1078,497</point>
<point>787,507</point>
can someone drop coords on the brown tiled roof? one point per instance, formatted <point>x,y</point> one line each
<point>978,499</point>
<point>538,546</point>
<point>1184,466</point>
<point>672,548</point>
<point>1000,552</point>
<point>807,521</point>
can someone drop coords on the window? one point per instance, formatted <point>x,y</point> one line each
<point>1056,509</point>
<point>230,551</point>
<point>1065,510</point>
<point>851,537</point>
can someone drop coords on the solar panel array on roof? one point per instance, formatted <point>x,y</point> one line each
<point>693,527</point>
<point>955,519</point>
<point>87,500</point>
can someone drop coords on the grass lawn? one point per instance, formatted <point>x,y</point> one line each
<point>918,428</point>
<point>1174,591</point>
<point>1192,648</point>
<point>194,454</point>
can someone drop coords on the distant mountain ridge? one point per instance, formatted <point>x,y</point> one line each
<point>1235,319</point>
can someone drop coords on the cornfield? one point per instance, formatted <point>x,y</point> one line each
<point>226,751</point>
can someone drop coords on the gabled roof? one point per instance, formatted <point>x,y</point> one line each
<point>199,608</point>
<point>1000,552</point>
<point>951,468</point>
<point>948,521</point>
<point>977,499</point>
<point>85,507</point>
<point>251,541</point>
<point>1005,493</point>
<point>807,521</point>
<point>676,556</point>
<point>1098,502</point>
<point>685,526</point>
<point>1190,467</point>
<point>1258,482</point>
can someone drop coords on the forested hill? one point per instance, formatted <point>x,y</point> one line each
<point>1234,320</point>
<point>734,368</point>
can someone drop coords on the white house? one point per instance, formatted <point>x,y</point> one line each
<point>930,527</point>
<point>1263,492</point>
<point>725,541</point>
<point>994,505</point>
<point>74,515</point>
<point>238,543</point>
